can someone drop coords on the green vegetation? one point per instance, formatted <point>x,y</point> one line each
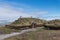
<point>41,34</point>
<point>55,24</point>
<point>27,36</point>
<point>38,35</point>
<point>27,21</point>
<point>4,30</point>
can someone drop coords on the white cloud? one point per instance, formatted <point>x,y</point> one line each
<point>11,13</point>
<point>42,12</point>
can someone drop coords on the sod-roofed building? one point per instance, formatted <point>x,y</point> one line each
<point>26,23</point>
<point>53,24</point>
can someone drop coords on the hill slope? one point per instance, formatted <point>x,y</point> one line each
<point>27,21</point>
<point>55,22</point>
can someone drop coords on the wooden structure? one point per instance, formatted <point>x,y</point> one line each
<point>33,25</point>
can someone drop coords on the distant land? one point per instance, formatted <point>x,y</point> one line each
<point>4,22</point>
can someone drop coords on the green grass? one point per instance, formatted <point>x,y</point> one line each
<point>4,30</point>
<point>26,21</point>
<point>26,36</point>
<point>38,35</point>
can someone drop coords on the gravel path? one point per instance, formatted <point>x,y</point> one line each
<point>3,36</point>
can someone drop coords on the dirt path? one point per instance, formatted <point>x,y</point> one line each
<point>3,36</point>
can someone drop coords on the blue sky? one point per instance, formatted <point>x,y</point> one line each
<point>45,9</point>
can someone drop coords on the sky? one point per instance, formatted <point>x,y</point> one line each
<point>46,9</point>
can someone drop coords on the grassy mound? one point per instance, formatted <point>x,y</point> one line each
<point>53,24</point>
<point>27,21</point>
<point>23,22</point>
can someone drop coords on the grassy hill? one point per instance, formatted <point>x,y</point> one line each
<point>26,21</point>
<point>40,34</point>
<point>17,24</point>
<point>53,24</point>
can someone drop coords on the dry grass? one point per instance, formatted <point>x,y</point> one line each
<point>26,21</point>
<point>38,35</point>
<point>4,30</point>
